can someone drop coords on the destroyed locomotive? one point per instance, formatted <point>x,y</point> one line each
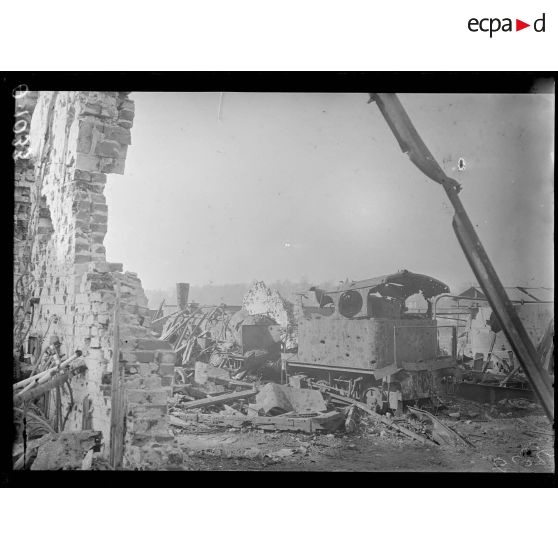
<point>371,346</point>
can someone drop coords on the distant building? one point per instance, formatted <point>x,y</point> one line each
<point>534,306</point>
<point>515,294</point>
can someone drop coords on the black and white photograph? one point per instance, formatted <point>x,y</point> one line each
<point>266,279</point>
<point>281,279</point>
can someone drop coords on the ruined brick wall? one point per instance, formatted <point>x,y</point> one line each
<point>24,193</point>
<point>259,299</point>
<point>78,137</point>
<point>24,179</point>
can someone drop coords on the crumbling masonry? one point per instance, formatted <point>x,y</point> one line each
<point>77,138</point>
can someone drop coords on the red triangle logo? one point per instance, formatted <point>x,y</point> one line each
<point>519,25</point>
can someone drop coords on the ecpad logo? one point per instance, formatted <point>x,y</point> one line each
<point>494,24</point>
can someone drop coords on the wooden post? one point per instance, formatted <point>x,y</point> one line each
<point>182,290</point>
<point>159,312</point>
<point>454,342</point>
<point>118,402</point>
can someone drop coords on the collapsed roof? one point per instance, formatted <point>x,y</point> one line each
<point>400,285</point>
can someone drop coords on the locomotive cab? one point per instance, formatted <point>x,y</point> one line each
<point>372,335</point>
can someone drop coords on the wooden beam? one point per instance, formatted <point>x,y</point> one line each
<point>118,402</point>
<point>384,419</point>
<point>429,365</point>
<point>42,376</point>
<point>42,388</point>
<point>219,399</point>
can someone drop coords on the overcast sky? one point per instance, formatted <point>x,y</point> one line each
<point>282,186</point>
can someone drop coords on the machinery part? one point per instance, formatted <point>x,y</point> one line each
<point>489,355</point>
<point>491,393</point>
<point>373,397</point>
<point>350,303</point>
<point>411,144</point>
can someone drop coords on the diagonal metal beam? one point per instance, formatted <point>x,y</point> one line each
<point>412,145</point>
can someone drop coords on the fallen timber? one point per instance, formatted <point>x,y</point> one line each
<point>442,433</point>
<point>219,399</point>
<point>39,378</point>
<point>320,422</point>
<point>383,419</point>
<point>32,392</point>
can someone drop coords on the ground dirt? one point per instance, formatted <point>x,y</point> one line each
<point>504,439</point>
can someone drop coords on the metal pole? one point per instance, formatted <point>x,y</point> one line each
<point>411,144</point>
<point>511,325</point>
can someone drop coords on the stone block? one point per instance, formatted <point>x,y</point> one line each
<point>119,134</point>
<point>99,267</point>
<point>125,123</point>
<point>149,426</point>
<point>82,258</point>
<point>166,370</point>
<point>128,356</point>
<point>166,357</point>
<point>126,114</point>
<point>127,104</point>
<point>147,397</point>
<point>97,207</point>
<point>98,177</point>
<point>107,148</point>
<point>206,372</point>
<point>122,152</point>
<point>91,109</point>
<point>87,162</point>
<point>145,356</point>
<point>85,136</point>
<point>144,369</point>
<point>149,411</point>
<point>98,227</point>
<point>107,164</point>
<point>99,219</point>
<point>154,382</point>
<point>134,383</point>
<point>153,344</point>
<point>164,438</point>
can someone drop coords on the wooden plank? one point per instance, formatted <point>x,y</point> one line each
<point>219,399</point>
<point>441,432</point>
<point>42,376</point>
<point>429,365</point>
<point>159,311</point>
<point>326,421</point>
<point>384,419</point>
<point>157,320</point>
<point>118,402</point>
<point>236,383</point>
<point>45,387</point>
<point>285,423</point>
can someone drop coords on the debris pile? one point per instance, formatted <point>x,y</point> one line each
<point>65,450</point>
<point>196,331</point>
<point>215,398</point>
